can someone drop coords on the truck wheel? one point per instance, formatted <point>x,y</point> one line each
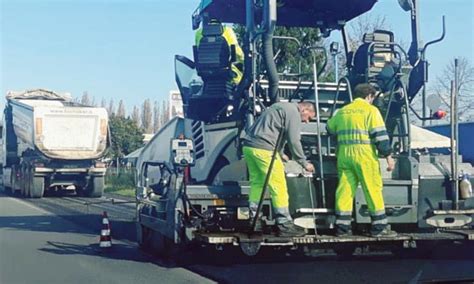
<point>36,187</point>
<point>26,183</point>
<point>14,182</point>
<point>23,183</point>
<point>7,189</point>
<point>96,187</point>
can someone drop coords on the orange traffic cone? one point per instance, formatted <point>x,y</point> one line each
<point>105,239</point>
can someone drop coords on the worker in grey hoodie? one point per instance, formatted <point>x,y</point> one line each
<point>259,143</point>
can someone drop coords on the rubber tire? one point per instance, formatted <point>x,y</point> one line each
<point>14,182</point>
<point>96,187</point>
<point>23,183</point>
<point>27,183</point>
<point>36,187</point>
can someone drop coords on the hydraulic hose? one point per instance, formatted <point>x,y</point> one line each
<point>270,65</point>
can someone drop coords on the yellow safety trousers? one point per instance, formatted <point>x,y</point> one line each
<point>358,164</point>
<point>258,162</point>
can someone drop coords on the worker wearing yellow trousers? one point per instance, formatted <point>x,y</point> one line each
<point>258,162</point>
<point>361,137</point>
<point>259,142</point>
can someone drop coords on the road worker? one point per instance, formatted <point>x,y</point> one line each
<point>259,143</point>
<point>361,138</point>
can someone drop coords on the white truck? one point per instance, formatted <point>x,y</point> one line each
<point>50,142</point>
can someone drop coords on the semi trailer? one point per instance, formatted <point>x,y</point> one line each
<point>204,198</point>
<point>51,143</point>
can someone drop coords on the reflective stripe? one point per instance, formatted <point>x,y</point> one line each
<point>352,131</point>
<point>346,217</point>
<point>105,244</point>
<point>282,215</point>
<point>381,138</point>
<point>344,213</point>
<point>343,222</point>
<point>377,129</point>
<point>378,222</point>
<point>352,142</point>
<point>378,214</point>
<point>378,133</point>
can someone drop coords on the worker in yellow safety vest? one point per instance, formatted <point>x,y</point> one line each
<point>229,35</point>
<point>361,138</point>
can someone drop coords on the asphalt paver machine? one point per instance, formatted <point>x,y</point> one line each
<point>193,182</point>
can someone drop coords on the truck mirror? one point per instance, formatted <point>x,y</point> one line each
<point>406,5</point>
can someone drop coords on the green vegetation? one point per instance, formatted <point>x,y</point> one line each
<point>126,136</point>
<point>290,57</point>
<point>122,183</point>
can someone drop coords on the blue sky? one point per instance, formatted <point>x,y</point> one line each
<point>125,49</point>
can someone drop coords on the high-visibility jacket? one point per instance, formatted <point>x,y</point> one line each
<point>229,35</point>
<point>360,123</point>
<point>360,133</point>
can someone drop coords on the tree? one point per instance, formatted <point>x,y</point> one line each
<point>126,137</point>
<point>85,100</point>
<point>165,112</point>
<point>362,25</point>
<point>111,108</point>
<point>121,109</point>
<point>288,54</point>
<point>442,87</point>
<point>103,103</point>
<point>147,117</point>
<point>136,116</point>
<point>156,117</point>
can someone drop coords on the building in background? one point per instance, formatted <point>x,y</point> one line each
<point>175,104</point>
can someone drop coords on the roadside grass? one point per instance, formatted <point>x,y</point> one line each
<point>129,192</point>
<point>122,183</point>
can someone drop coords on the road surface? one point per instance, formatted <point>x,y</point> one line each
<point>74,240</point>
<point>37,246</point>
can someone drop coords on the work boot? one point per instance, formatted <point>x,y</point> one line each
<point>288,229</point>
<point>385,233</point>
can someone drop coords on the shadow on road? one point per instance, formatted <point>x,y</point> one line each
<point>46,223</point>
<point>89,224</point>
<point>117,251</point>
